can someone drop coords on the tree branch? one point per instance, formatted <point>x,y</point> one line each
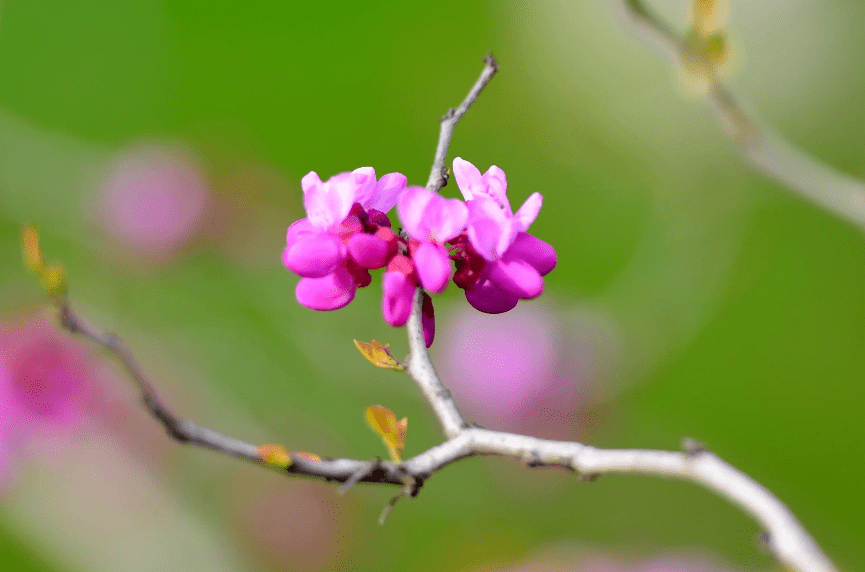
<point>769,154</point>
<point>438,177</point>
<point>421,369</point>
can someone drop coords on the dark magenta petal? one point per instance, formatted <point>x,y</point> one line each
<point>428,320</point>
<point>314,255</point>
<point>433,266</point>
<point>368,250</point>
<point>330,292</point>
<point>397,298</point>
<point>534,251</point>
<point>518,277</point>
<point>489,298</point>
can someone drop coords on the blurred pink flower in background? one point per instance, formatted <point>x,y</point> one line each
<point>45,386</point>
<point>153,202</point>
<point>524,370</point>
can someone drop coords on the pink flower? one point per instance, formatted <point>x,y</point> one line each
<point>499,263</point>
<point>432,221</point>
<point>511,372</point>
<point>346,233</point>
<point>153,202</point>
<point>44,386</point>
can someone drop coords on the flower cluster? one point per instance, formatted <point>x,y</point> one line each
<point>347,233</point>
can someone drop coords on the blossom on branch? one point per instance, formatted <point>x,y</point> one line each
<point>347,233</point>
<point>498,262</point>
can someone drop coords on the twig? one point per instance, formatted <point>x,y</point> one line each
<point>769,154</point>
<point>438,177</point>
<point>421,369</point>
<point>182,430</point>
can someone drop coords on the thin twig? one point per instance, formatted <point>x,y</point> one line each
<point>421,369</point>
<point>769,154</point>
<point>438,177</point>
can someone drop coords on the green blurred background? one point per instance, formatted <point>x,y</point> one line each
<point>734,311</point>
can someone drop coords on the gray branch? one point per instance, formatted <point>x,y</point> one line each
<point>438,177</point>
<point>769,154</point>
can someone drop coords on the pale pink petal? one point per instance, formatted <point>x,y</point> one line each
<point>369,250</point>
<point>497,186</point>
<point>488,227</point>
<point>428,320</point>
<point>397,298</point>
<point>428,217</point>
<point>506,238</point>
<point>330,292</point>
<point>468,179</point>
<point>489,298</point>
<point>314,255</point>
<point>364,182</point>
<point>484,236</point>
<point>533,250</point>
<point>311,182</point>
<point>411,209</point>
<point>529,211</point>
<point>517,277</point>
<point>387,192</point>
<point>445,219</point>
<point>328,204</point>
<point>433,266</point>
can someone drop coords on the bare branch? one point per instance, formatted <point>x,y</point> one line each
<point>421,369</point>
<point>769,154</point>
<point>438,177</point>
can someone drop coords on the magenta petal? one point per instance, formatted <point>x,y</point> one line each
<point>433,266</point>
<point>489,298</point>
<point>428,320</point>
<point>468,179</point>
<point>298,228</point>
<point>330,292</point>
<point>518,277</point>
<point>397,298</point>
<point>368,250</point>
<point>314,255</point>
<point>533,250</point>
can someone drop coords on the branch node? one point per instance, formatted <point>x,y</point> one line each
<point>532,460</point>
<point>693,448</point>
<point>359,475</point>
<point>491,61</point>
